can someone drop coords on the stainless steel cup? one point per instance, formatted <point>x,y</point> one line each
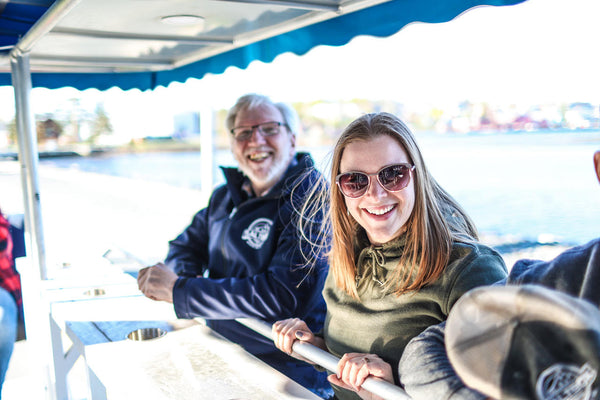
<point>146,334</point>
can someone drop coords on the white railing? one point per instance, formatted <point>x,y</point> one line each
<point>328,361</point>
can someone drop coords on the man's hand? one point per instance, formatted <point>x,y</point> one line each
<point>157,282</point>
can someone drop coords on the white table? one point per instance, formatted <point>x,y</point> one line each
<point>190,361</point>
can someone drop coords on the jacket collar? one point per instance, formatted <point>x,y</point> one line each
<point>236,180</point>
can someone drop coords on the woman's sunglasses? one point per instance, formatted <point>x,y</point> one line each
<point>392,178</point>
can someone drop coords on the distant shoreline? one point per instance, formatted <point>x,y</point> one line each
<point>522,217</point>
<point>170,144</point>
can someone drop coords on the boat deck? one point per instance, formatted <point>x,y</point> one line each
<point>20,382</point>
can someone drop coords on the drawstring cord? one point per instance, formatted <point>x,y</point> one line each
<point>377,259</point>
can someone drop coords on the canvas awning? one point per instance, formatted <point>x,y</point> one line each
<point>105,43</point>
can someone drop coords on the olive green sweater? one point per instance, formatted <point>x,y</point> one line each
<point>381,322</point>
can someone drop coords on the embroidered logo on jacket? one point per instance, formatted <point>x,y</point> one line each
<point>566,382</point>
<point>258,231</point>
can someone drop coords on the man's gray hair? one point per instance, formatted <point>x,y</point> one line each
<point>253,100</point>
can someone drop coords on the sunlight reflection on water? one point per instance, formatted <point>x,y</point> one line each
<point>529,185</point>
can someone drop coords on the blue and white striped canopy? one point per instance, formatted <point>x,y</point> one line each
<point>106,43</point>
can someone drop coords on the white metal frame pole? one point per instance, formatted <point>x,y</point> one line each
<point>37,330</point>
<point>28,160</point>
<point>28,155</point>
<point>36,310</point>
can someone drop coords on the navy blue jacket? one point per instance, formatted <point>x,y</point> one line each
<point>241,257</point>
<point>425,369</point>
<point>576,271</point>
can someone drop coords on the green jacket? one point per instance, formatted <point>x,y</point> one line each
<point>382,323</point>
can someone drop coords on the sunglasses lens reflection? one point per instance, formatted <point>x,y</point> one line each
<point>354,184</point>
<point>393,178</point>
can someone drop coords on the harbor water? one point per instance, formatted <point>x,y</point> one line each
<point>532,186</point>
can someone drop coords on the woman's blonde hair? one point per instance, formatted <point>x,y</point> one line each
<point>436,222</point>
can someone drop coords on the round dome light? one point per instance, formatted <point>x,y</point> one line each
<point>182,20</point>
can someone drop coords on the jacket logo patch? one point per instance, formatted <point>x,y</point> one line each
<point>562,382</point>
<point>257,233</point>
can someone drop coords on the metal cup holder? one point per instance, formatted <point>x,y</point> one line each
<point>146,334</point>
<point>95,292</point>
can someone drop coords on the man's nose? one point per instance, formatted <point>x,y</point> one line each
<point>257,136</point>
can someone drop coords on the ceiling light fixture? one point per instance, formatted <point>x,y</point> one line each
<point>182,20</point>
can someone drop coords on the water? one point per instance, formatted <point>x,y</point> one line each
<point>532,185</point>
<point>535,186</point>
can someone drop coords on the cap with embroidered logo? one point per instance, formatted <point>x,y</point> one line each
<point>525,342</point>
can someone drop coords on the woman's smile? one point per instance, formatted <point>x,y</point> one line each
<point>381,210</point>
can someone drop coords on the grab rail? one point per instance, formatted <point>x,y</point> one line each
<point>328,361</point>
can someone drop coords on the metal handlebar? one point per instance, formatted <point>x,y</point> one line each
<point>328,361</point>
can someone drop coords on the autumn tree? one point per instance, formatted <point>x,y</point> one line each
<point>101,123</point>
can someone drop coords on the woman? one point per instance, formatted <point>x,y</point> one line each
<point>403,252</point>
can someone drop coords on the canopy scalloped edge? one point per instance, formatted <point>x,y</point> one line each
<point>380,21</point>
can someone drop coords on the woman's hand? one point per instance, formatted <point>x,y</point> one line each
<point>354,368</point>
<point>287,331</point>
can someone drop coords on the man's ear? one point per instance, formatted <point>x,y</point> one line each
<point>597,164</point>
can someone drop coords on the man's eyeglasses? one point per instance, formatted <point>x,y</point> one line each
<point>244,133</point>
<point>392,178</point>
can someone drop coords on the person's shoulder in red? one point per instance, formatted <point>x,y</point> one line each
<point>9,277</point>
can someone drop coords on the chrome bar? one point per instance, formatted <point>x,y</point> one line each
<point>206,40</point>
<point>302,5</point>
<point>28,155</point>
<point>55,13</point>
<point>28,160</point>
<point>328,361</point>
<point>40,58</point>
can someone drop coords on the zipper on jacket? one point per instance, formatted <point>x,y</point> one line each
<point>224,234</point>
<point>233,212</point>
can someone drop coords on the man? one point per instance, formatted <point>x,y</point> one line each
<point>243,255</point>
<point>518,369</point>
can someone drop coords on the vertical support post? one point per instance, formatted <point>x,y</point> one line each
<point>28,160</point>
<point>35,309</point>
<point>206,151</point>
